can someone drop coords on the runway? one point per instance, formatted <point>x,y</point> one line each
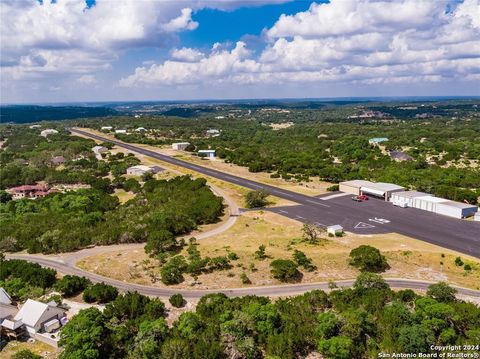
<point>368,217</point>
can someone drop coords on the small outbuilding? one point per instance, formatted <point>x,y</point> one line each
<point>106,128</point>
<point>124,132</point>
<point>335,229</point>
<point>140,170</point>
<point>210,154</point>
<point>180,146</point>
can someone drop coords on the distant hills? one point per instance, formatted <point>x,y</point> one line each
<point>57,112</point>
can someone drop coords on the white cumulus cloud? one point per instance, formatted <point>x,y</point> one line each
<point>349,41</point>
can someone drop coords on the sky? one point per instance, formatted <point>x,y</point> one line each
<point>134,50</point>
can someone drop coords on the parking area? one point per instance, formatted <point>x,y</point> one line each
<point>377,216</point>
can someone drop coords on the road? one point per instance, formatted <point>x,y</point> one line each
<point>363,218</point>
<point>270,291</point>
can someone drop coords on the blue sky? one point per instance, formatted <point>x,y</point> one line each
<point>70,50</point>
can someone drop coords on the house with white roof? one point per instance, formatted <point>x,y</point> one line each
<point>7,309</point>
<point>47,132</point>
<point>121,132</point>
<point>140,170</point>
<point>98,150</point>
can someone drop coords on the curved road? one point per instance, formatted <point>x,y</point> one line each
<point>271,291</point>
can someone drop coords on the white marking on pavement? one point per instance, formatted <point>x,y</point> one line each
<point>334,196</point>
<point>282,211</point>
<point>363,225</point>
<point>317,203</point>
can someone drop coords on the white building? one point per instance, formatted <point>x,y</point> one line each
<point>477,217</point>
<point>180,146</point>
<point>141,129</point>
<point>428,202</point>
<point>7,309</point>
<point>37,320</point>
<point>98,150</point>
<point>376,189</point>
<point>35,126</point>
<point>106,128</point>
<point>121,132</point>
<point>335,229</point>
<point>140,170</point>
<point>47,132</point>
<point>213,132</point>
<point>207,153</point>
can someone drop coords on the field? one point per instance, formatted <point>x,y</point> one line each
<point>407,257</point>
<point>39,348</point>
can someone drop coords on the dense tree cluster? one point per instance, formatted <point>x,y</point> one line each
<point>354,323</point>
<point>64,222</point>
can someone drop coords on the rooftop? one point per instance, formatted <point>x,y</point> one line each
<point>411,194</point>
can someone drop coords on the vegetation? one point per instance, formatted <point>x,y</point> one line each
<point>177,300</point>
<point>100,293</point>
<point>368,259</point>
<point>285,270</point>
<point>256,199</point>
<point>71,285</point>
<point>354,323</point>
<point>26,354</point>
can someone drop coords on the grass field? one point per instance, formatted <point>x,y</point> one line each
<point>44,350</point>
<point>407,257</point>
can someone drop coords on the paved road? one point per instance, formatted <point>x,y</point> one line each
<point>364,218</point>
<point>270,291</point>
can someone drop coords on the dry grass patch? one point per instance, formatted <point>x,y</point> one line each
<point>407,257</point>
<point>44,350</point>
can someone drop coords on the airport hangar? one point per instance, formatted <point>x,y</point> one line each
<point>376,189</point>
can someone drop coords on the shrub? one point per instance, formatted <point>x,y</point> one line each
<point>302,260</point>
<point>232,256</point>
<point>368,259</point>
<point>285,270</point>
<point>25,354</point>
<point>245,279</point>
<point>177,300</point>
<point>458,262</point>
<point>71,285</point>
<point>333,188</point>
<point>256,199</point>
<point>172,271</point>
<point>467,267</point>
<point>100,293</point>
<point>260,253</point>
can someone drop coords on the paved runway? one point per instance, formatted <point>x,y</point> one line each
<point>369,217</point>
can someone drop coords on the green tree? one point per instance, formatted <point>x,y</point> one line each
<point>256,199</point>
<point>71,285</point>
<point>368,259</point>
<point>285,270</point>
<point>100,292</point>
<point>85,336</point>
<point>149,339</point>
<point>442,292</point>
<point>338,347</point>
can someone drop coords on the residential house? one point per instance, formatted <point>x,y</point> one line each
<point>121,132</point>
<point>37,320</point>
<point>7,309</point>
<point>57,160</point>
<point>140,170</point>
<point>29,191</point>
<point>47,132</point>
<point>400,156</point>
<point>106,128</point>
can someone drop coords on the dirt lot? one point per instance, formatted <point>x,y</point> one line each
<point>407,257</point>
